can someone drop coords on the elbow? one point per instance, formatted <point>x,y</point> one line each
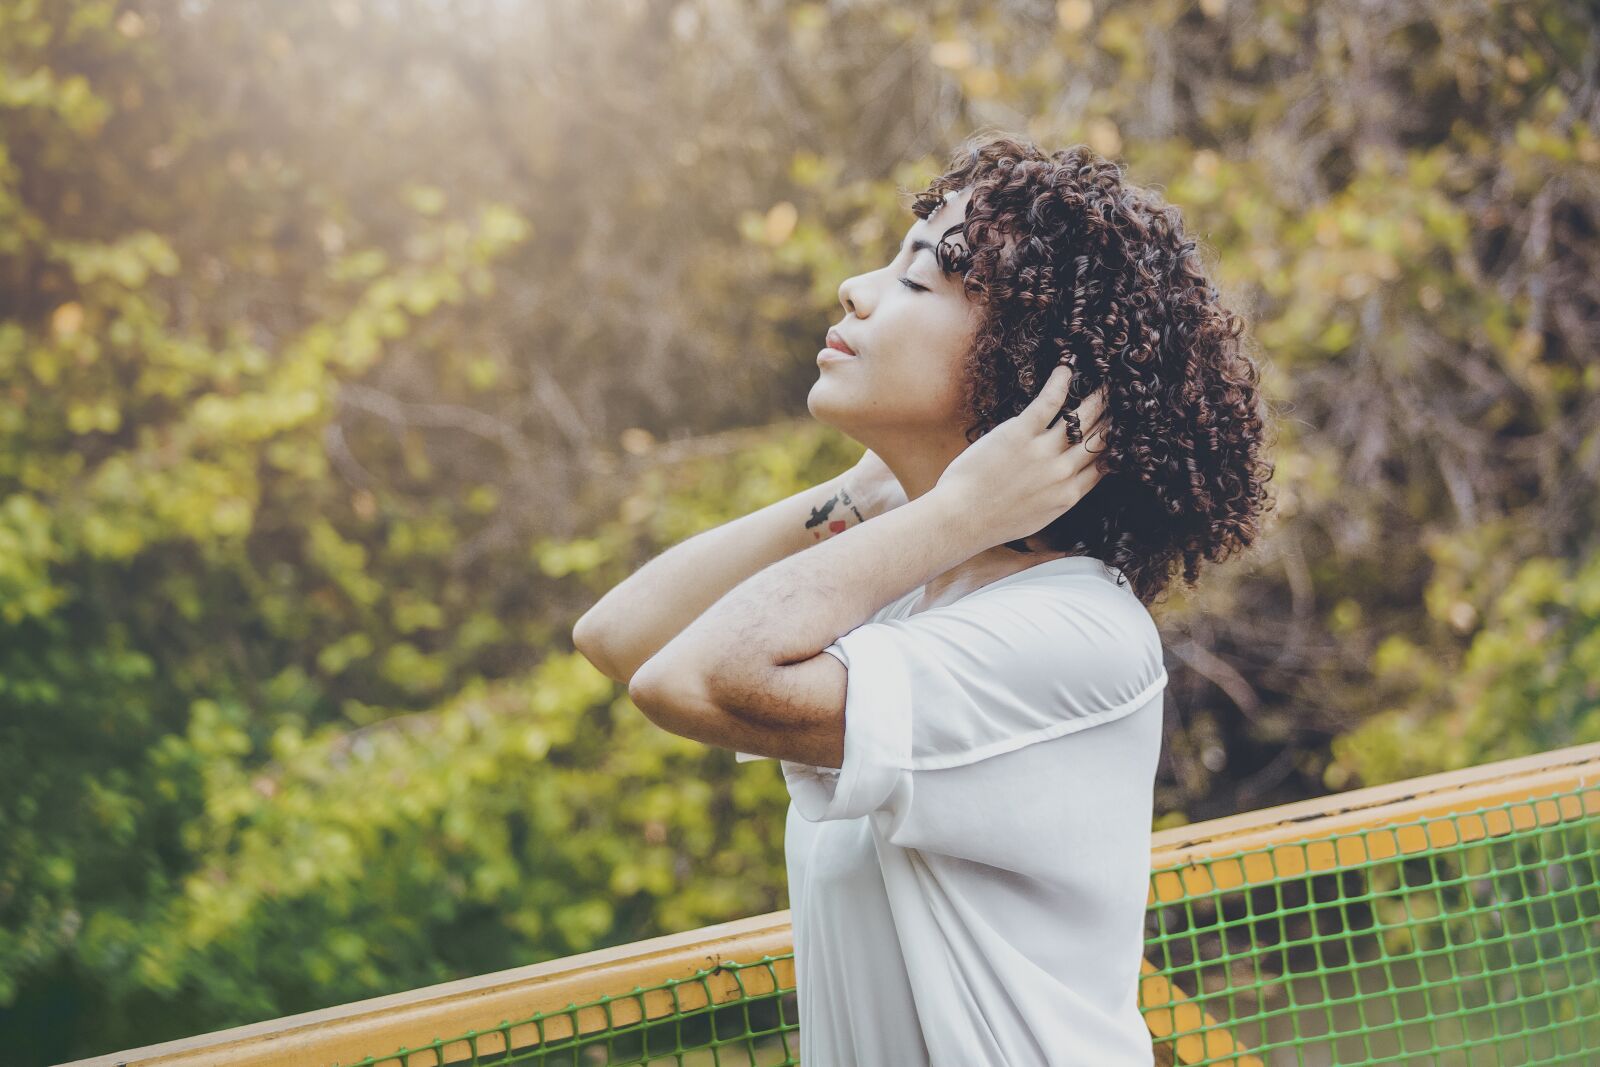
<point>642,690</point>
<point>651,694</point>
<point>586,632</point>
<point>614,652</point>
<point>584,638</point>
<point>667,695</point>
<point>588,641</point>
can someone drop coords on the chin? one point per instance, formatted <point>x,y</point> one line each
<point>818,403</point>
<point>824,403</point>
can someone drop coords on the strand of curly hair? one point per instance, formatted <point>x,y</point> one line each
<point>1073,264</point>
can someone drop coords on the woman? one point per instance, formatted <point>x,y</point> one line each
<point>965,694</point>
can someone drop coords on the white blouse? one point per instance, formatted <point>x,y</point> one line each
<point>969,887</point>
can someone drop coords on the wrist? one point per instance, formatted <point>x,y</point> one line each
<point>958,519</point>
<point>834,506</point>
<point>863,495</point>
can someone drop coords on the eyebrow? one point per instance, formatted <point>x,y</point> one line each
<point>919,244</point>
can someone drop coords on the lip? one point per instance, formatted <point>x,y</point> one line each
<point>836,341</point>
<point>833,355</point>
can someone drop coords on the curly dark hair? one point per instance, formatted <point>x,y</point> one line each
<point>1073,264</point>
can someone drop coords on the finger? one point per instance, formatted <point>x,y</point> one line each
<point>1047,405</point>
<point>1098,427</point>
<point>1094,442</point>
<point>1087,449</point>
<point>1090,413</point>
<point>1090,410</point>
<point>1089,453</point>
<point>1084,480</point>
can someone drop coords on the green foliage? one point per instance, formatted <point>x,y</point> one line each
<point>322,417</point>
<point>1529,681</point>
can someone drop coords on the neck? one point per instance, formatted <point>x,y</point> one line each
<point>917,462</point>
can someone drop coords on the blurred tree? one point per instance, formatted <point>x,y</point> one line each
<point>349,348</point>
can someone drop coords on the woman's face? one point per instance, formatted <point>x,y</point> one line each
<point>910,326</point>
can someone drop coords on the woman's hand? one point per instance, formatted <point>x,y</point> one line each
<point>874,484</point>
<point>1023,474</point>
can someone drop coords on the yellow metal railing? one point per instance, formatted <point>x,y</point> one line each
<point>1266,931</point>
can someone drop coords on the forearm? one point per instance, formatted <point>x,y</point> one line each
<point>634,620</point>
<point>791,610</point>
<point>741,653</point>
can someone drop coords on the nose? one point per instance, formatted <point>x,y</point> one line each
<point>854,294</point>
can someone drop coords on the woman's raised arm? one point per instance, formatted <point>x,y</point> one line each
<point>637,618</point>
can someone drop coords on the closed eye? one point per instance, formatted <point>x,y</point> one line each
<point>909,284</point>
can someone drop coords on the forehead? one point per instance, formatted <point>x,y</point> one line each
<point>948,214</point>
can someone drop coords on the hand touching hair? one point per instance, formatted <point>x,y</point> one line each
<point>1072,264</point>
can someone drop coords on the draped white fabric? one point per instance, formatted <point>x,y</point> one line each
<point>970,886</point>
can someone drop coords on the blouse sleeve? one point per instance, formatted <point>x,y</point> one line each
<point>747,757</point>
<point>978,678</point>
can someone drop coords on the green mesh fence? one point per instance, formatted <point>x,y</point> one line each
<point>1469,939</point>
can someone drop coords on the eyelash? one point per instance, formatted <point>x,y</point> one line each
<point>909,284</point>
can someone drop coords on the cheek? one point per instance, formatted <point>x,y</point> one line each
<point>925,372</point>
<point>913,373</point>
<point>946,334</point>
<point>899,387</point>
<point>935,332</point>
